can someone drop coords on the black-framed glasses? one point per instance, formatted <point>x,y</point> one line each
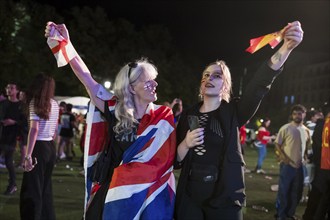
<point>131,65</point>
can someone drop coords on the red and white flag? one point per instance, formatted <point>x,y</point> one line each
<point>61,48</point>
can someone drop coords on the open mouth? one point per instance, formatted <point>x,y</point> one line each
<point>209,85</point>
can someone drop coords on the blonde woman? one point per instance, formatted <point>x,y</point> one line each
<point>140,182</point>
<point>211,183</point>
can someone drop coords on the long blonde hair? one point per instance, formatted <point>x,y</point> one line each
<point>226,89</point>
<point>125,107</point>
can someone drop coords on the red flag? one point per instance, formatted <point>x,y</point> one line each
<point>272,39</point>
<point>61,48</point>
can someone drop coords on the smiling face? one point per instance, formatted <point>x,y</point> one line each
<point>145,86</point>
<point>212,81</point>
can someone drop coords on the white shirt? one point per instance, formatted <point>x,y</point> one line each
<point>46,127</point>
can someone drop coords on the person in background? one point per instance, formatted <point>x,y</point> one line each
<point>23,130</point>
<point>2,157</point>
<point>242,138</point>
<point>211,183</point>
<point>176,106</point>
<point>318,204</point>
<point>11,117</point>
<point>309,167</point>
<point>314,115</point>
<point>36,198</point>
<point>263,138</point>
<point>291,143</point>
<point>62,109</point>
<point>68,123</point>
<point>2,96</point>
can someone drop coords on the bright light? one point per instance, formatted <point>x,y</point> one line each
<point>107,84</point>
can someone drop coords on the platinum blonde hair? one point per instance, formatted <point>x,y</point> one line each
<point>226,89</point>
<point>125,107</point>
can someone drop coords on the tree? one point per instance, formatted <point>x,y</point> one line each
<point>105,45</point>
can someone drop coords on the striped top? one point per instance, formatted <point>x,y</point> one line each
<point>46,127</point>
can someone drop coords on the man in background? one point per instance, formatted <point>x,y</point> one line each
<point>11,116</point>
<point>318,205</point>
<point>291,143</point>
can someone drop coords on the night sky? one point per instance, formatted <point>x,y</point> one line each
<point>222,29</point>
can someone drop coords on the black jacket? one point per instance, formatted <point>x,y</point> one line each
<point>230,187</point>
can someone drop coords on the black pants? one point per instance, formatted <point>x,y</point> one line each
<point>192,211</point>
<point>8,151</point>
<point>36,201</point>
<point>318,205</point>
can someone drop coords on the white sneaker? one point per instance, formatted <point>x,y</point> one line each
<point>62,156</point>
<point>261,171</point>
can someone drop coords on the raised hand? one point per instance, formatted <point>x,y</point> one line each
<point>293,35</point>
<point>51,28</point>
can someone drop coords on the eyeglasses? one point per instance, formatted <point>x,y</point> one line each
<point>131,65</point>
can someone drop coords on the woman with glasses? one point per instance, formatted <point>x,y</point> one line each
<point>211,183</point>
<point>140,183</point>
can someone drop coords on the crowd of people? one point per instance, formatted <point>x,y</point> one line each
<point>141,143</point>
<point>14,130</point>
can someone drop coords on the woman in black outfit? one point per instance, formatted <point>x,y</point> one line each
<point>211,184</point>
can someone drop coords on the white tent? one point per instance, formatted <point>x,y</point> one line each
<point>80,103</point>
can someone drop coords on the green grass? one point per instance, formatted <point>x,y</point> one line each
<point>258,187</point>
<point>68,190</point>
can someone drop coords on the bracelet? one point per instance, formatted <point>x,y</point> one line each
<point>27,158</point>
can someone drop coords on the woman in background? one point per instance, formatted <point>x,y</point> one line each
<point>263,138</point>
<point>36,199</point>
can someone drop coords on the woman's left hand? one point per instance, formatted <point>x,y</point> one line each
<point>28,164</point>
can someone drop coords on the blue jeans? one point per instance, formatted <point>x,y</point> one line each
<point>290,188</point>
<point>262,152</point>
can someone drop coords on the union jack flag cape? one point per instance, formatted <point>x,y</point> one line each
<point>143,185</point>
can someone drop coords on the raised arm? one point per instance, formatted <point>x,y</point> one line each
<point>293,35</point>
<point>78,66</point>
<point>262,80</point>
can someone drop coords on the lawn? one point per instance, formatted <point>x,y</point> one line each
<point>68,188</point>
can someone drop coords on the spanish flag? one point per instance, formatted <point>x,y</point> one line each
<point>272,39</point>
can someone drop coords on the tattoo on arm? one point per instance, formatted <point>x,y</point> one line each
<point>277,57</point>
